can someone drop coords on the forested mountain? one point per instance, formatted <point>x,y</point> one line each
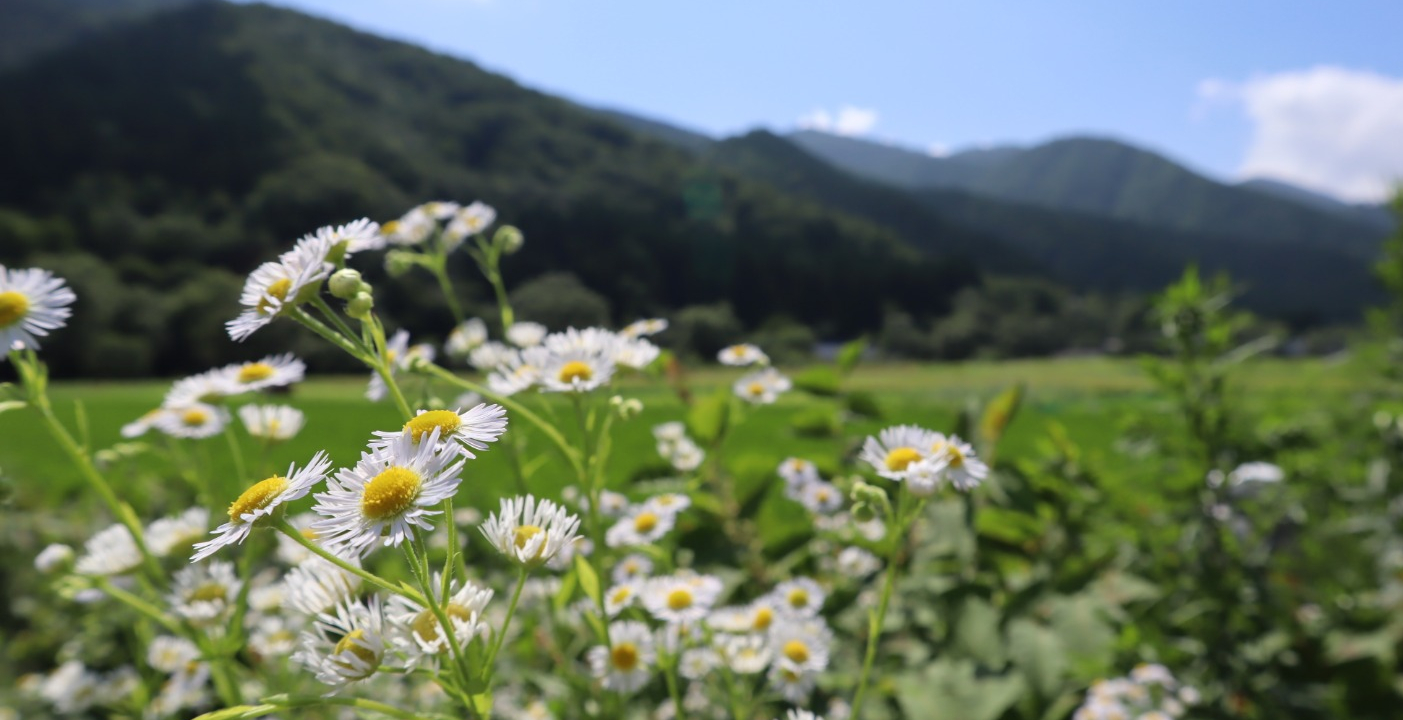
<point>33,27</point>
<point>1375,215</point>
<point>1104,177</point>
<point>158,162</point>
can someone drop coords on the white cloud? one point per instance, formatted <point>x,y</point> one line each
<point>848,120</point>
<point>1332,129</point>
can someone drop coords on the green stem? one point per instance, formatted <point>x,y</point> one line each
<point>419,565</point>
<point>336,321</point>
<point>671,675</point>
<point>878,617</point>
<point>141,606</point>
<point>381,365</point>
<point>273,704</point>
<point>329,335</point>
<point>236,452</point>
<point>369,577</point>
<point>440,271</point>
<point>487,665</point>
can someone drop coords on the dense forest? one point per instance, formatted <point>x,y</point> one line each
<point>154,163</point>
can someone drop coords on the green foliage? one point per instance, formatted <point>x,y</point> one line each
<point>560,300</point>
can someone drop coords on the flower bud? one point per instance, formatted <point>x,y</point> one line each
<point>360,306</point>
<point>862,512</point>
<point>345,284</point>
<point>627,408</point>
<point>509,238</point>
<point>399,262</point>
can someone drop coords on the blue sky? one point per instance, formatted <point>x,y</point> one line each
<point>1303,91</point>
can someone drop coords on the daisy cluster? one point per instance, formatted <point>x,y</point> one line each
<point>195,407</point>
<point>924,460</point>
<point>572,361</point>
<point>681,451</point>
<point>1149,693</point>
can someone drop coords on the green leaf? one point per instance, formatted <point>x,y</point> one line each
<point>12,405</point>
<point>999,413</point>
<point>850,354</point>
<point>819,380</point>
<point>708,416</point>
<point>567,589</point>
<point>977,632</point>
<point>1080,623</point>
<point>589,579</point>
<point>1039,655</point>
<point>820,421</point>
<point>949,690</point>
<point>864,404</point>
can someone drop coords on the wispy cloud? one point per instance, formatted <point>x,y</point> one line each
<point>1332,129</point>
<point>847,120</point>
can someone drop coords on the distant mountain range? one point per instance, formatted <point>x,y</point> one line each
<point>214,133</point>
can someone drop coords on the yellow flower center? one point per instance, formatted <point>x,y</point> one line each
<point>390,493</point>
<point>523,535</point>
<point>736,351</point>
<point>263,493</point>
<point>957,458</point>
<point>423,424</point>
<point>823,495</point>
<point>679,599</point>
<point>620,595</point>
<point>389,228</point>
<point>309,533</point>
<point>645,522</point>
<point>632,567</point>
<point>899,458</point>
<point>756,389</point>
<point>13,307</point>
<point>208,592</point>
<point>194,417</point>
<point>624,656</point>
<point>575,370</point>
<point>352,642</point>
<point>796,651</point>
<point>278,289</point>
<point>763,618</point>
<point>798,598</point>
<point>426,624</point>
<point>253,372</point>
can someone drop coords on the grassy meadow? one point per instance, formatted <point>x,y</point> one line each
<point>1093,399</point>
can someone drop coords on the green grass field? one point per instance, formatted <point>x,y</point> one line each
<point>1091,398</point>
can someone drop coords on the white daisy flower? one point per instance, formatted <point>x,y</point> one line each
<point>53,558</point>
<point>681,598</point>
<point>619,597</point>
<point>644,328</point>
<point>186,689</point>
<point>210,386</point>
<point>317,586</point>
<point>275,287</point>
<point>32,304</point>
<point>686,456</point>
<point>418,630</point>
<point>292,552</point>
<point>467,222</point>
<point>800,597</point>
<point>412,228</point>
<point>71,688</point>
<point>641,526</point>
<point>462,432</point>
<point>517,372</point>
<point>526,334</point>
<point>143,424</point>
<point>170,535</point>
<point>264,501</point>
<point>401,357</point>
<point>388,493</point>
<point>1255,472</point>
<point>757,617</point>
<point>491,355</point>
<point>667,503</point>
<point>670,432</point>
<point>465,338</point>
<point>856,563</point>
<point>267,597</point>
<point>592,340</point>
<point>272,371</point>
<point>965,470</point>
<point>762,387</point>
<point>271,638</point>
<point>791,683</point>
<point>530,531</point>
<point>205,594</point>
<point>635,353</point>
<point>171,654</point>
<point>272,422</point>
<point>801,643</point>
<point>635,566</point>
<point>575,370</point>
<point>194,422</point>
<point>335,244</point>
<point>565,559</point>
<point>927,475</point>
<point>742,354</point>
<point>795,714</point>
<point>112,551</point>
<point>626,666</point>
<point>744,654</point>
<point>697,663</point>
<point>896,448</point>
<point>346,647</point>
<point>798,472</point>
<point>821,497</point>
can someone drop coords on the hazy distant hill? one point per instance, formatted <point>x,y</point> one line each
<point>210,137</point>
<point>1104,177</point>
<point>1375,215</point>
<point>32,27</point>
